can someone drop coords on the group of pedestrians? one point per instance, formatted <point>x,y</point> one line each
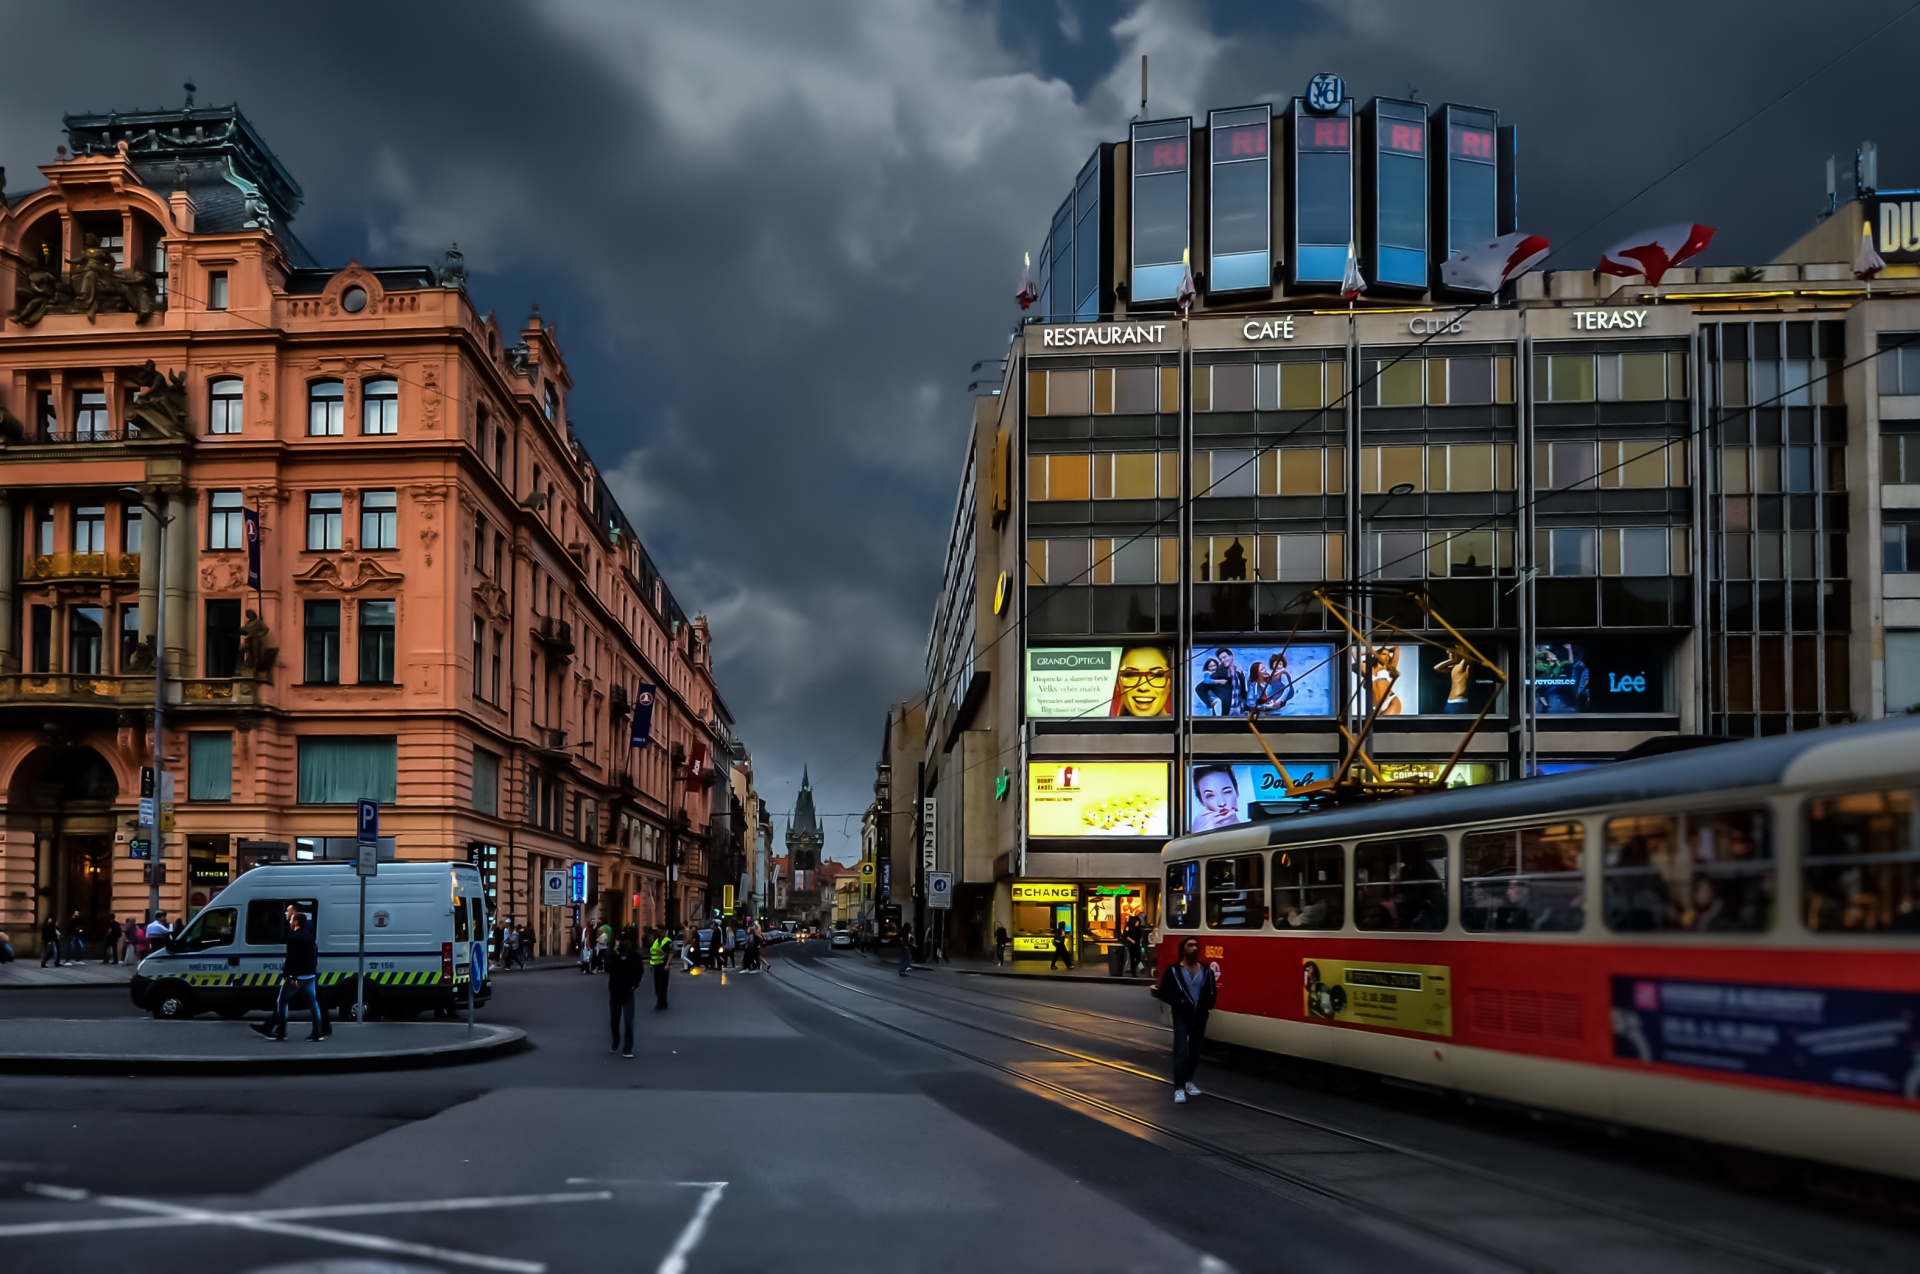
<point>64,944</point>
<point>513,946</point>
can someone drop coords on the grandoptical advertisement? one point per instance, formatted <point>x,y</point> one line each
<point>1417,680</point>
<point>1098,798</point>
<point>1400,997</point>
<point>1863,1041</point>
<point>1099,681</point>
<point>1277,680</point>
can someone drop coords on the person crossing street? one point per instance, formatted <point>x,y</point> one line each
<point>1188,988</point>
<point>626,969</point>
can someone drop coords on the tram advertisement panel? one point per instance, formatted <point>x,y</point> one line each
<point>1277,680</point>
<point>1866,1041</point>
<point>1400,997</point>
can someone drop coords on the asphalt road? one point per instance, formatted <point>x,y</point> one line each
<point>835,1116</point>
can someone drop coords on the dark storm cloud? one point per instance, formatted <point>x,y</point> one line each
<point>775,236</point>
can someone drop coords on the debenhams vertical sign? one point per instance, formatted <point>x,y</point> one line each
<point>1103,334</point>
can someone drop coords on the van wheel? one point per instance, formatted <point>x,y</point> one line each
<point>172,1001</point>
<point>231,1013</point>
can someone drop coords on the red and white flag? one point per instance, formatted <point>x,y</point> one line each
<point>1654,252</point>
<point>1352,283</point>
<point>1867,262</point>
<point>1487,267</point>
<point>1028,292</point>
<point>1184,294</point>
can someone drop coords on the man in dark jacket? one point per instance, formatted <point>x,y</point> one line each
<point>1188,988</point>
<point>299,977</point>
<point>50,942</point>
<point>626,969</point>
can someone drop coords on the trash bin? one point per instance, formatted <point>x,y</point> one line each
<point>1116,961</point>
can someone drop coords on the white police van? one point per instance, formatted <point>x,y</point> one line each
<point>426,936</point>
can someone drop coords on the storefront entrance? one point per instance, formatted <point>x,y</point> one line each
<point>1095,915</point>
<point>65,796</point>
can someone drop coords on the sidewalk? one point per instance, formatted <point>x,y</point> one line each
<point>136,1045</point>
<point>27,974</point>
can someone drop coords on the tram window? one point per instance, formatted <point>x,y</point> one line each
<point>1708,873</point>
<point>1401,884</point>
<point>1183,896</point>
<point>1523,879</point>
<point>1309,888</point>
<point>1862,873</point>
<point>1236,892</point>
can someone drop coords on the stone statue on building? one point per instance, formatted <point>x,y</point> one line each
<point>39,290</point>
<point>452,270</point>
<point>256,657</point>
<point>159,404</point>
<point>141,658</point>
<point>95,285</point>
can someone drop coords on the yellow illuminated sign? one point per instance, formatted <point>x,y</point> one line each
<point>1024,891</point>
<point>1000,593</point>
<point>1401,997</point>
<point>1042,944</point>
<point>1098,798</point>
<point>726,899</point>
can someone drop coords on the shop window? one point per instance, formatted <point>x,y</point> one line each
<point>1709,873</point>
<point>1862,873</point>
<point>1183,895</point>
<point>1523,879</point>
<point>1236,892</point>
<point>1401,885</point>
<point>1309,888</point>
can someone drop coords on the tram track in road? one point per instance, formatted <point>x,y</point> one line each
<point>1360,1203</point>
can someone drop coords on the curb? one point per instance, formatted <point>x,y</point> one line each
<point>488,1042</point>
<point>1048,976</point>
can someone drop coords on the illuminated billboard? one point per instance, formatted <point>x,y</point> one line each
<point>1098,798</point>
<point>1620,675</point>
<point>1099,681</point>
<point>1416,680</point>
<point>1396,192</point>
<point>1274,680</point>
<point>1224,793</point>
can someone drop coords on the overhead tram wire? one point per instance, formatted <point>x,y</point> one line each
<point>1186,501</point>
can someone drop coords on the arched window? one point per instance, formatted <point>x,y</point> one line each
<point>226,402</point>
<point>326,409</point>
<point>380,407</point>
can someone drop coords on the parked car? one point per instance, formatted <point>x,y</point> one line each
<point>842,938</point>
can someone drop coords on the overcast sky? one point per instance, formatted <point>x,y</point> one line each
<point>775,234</point>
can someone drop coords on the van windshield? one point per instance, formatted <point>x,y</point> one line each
<point>211,928</point>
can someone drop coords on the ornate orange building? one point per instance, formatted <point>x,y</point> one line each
<point>451,615</point>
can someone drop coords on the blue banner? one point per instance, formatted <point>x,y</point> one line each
<point>1864,1041</point>
<point>643,715</point>
<point>250,524</point>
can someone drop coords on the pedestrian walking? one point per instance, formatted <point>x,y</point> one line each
<point>526,944</point>
<point>999,944</point>
<point>753,949</point>
<point>1061,951</point>
<point>299,982</point>
<point>130,939</point>
<point>50,943</point>
<point>1134,935</point>
<point>658,952</point>
<point>73,935</point>
<point>1188,988</point>
<point>110,943</point>
<point>6,948</point>
<point>906,946</point>
<point>626,969</point>
<point>158,931</point>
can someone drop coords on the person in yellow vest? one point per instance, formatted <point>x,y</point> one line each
<point>659,951</point>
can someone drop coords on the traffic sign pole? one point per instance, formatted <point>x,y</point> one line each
<point>367,843</point>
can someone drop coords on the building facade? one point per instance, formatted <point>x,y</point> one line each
<point>1655,511</point>
<point>388,567</point>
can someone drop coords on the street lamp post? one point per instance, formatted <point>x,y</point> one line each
<point>152,822</point>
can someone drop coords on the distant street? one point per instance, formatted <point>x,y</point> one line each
<point>834,1116</point>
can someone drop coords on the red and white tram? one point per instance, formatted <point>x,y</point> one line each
<point>1723,943</point>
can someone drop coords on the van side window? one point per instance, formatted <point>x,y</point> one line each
<point>1236,892</point>
<point>1309,888</point>
<point>459,920</point>
<point>1523,879</point>
<point>213,927</point>
<point>267,919</point>
<point>1183,895</point>
<point>1401,884</point>
<point>1863,863</point>
<point>1705,873</point>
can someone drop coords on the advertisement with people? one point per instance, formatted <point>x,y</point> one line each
<point>1418,679</point>
<point>1275,680</point>
<point>1225,793</point>
<point>1099,681</point>
<point>1401,997</point>
<point>1098,798</point>
<point>1610,676</point>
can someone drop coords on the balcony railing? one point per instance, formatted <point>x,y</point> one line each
<point>555,634</point>
<point>550,739</point>
<point>76,688</point>
<point>50,566</point>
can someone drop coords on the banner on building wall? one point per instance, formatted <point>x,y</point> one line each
<point>1422,680</point>
<point>1098,798</point>
<point>1225,793</point>
<point>1099,681</point>
<point>1610,675</point>
<point>697,765</point>
<point>1274,680</point>
<point>642,715</point>
<point>928,838</point>
<point>250,528</point>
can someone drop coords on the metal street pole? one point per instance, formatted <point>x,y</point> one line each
<point>159,711</point>
<point>360,977</point>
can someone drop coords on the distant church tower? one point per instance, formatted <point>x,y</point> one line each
<point>804,840</point>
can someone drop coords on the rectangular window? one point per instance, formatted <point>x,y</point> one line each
<point>210,765</point>
<point>1229,473</point>
<point>129,637</point>
<point>223,521</point>
<point>132,526</point>
<point>1568,466</point>
<point>43,531</point>
<point>223,637</point>
<point>1570,550</point>
<point>267,919</point>
<point>479,660</point>
<point>340,769</point>
<point>216,289</point>
<point>1400,383</point>
<point>380,407</point>
<point>86,640</point>
<point>90,529</point>
<point>1862,872</point>
<point>380,521</point>
<point>493,671</point>
<point>323,520</point>
<point>1309,888</point>
<point>376,642</point>
<point>1401,885</point>
<point>40,619</point>
<point>321,643</point>
<point>1183,895</point>
<point>226,404</point>
<point>1241,193</point>
<point>1160,207</point>
<point>486,782</point>
<point>1469,467</point>
<point>90,422</point>
<point>1236,892</point>
<point>1643,377</point>
<point>1710,873</point>
<point>1469,381</point>
<point>326,409</point>
<point>1563,378</point>
<point>1523,880</point>
<point>1899,547</point>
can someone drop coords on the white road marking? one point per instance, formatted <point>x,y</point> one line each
<point>276,1221</point>
<point>675,1261</point>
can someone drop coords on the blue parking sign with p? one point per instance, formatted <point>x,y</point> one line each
<point>367,836</point>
